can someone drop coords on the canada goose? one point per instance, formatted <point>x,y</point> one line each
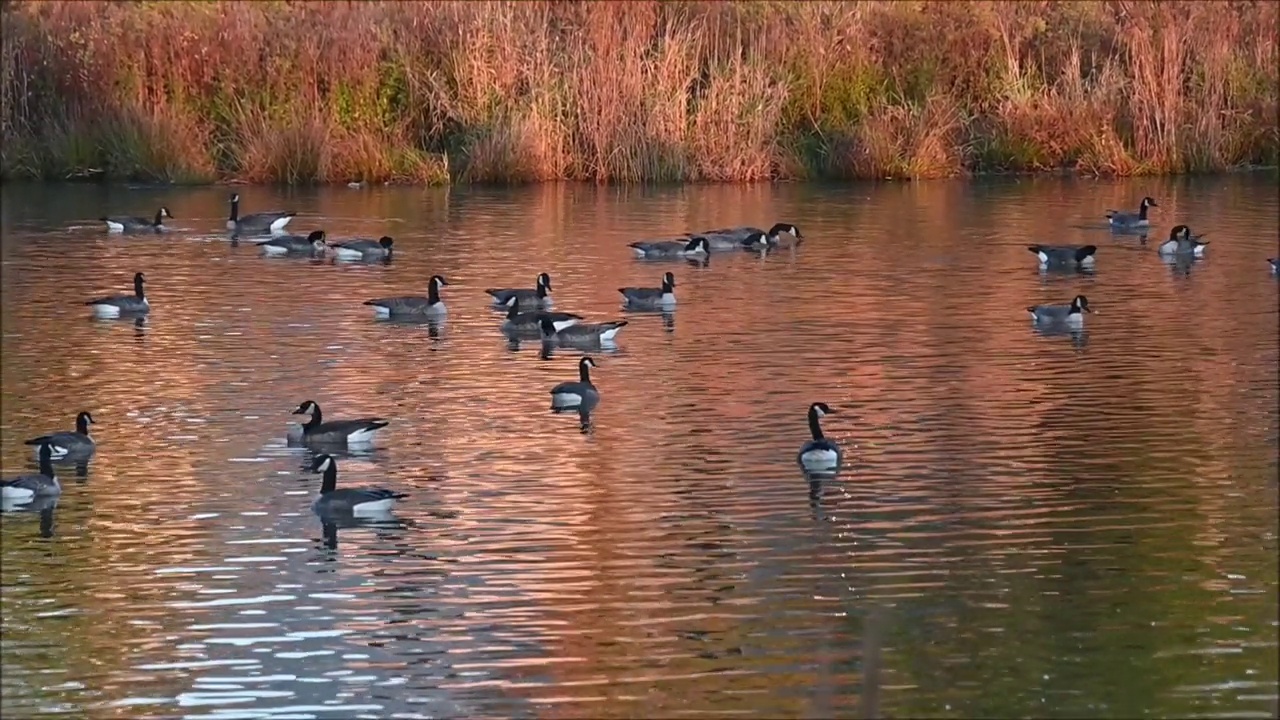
<point>137,224</point>
<point>1182,242</point>
<point>1072,314</point>
<point>573,395</point>
<point>643,298</point>
<point>819,456</point>
<point>578,335</point>
<point>1129,220</point>
<point>739,237</point>
<point>362,249</point>
<point>354,501</point>
<point>351,432</point>
<point>412,305</point>
<point>294,244</point>
<point>525,296</point>
<point>69,444</point>
<point>25,488</point>
<point>529,323</point>
<point>1064,255</point>
<point>258,222</point>
<point>113,306</point>
<point>660,249</point>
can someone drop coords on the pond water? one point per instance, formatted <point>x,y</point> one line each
<point>1028,524</point>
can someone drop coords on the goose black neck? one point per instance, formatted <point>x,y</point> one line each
<point>513,309</point>
<point>814,427</point>
<point>82,424</point>
<point>315,418</point>
<point>137,288</point>
<point>1142,211</point>
<point>235,210</point>
<point>541,291</point>
<point>329,483</point>
<point>666,287</point>
<point>159,218</point>
<point>46,461</point>
<point>584,373</point>
<point>433,293</point>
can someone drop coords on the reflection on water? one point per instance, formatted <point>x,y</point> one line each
<point>1026,519</point>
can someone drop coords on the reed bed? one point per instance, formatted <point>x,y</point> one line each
<point>514,92</point>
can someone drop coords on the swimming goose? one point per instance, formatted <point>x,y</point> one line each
<point>1130,220</point>
<point>64,444</point>
<point>137,224</point>
<point>113,306</point>
<point>578,335</point>
<point>1072,314</point>
<point>643,298</point>
<point>572,395</point>
<point>739,237</point>
<point>294,244</point>
<point>525,296</point>
<point>362,249</point>
<point>262,222</point>
<point>412,305</point>
<point>351,432</point>
<point>355,501</point>
<point>1182,242</point>
<point>819,456</point>
<point>25,488</point>
<point>660,249</point>
<point>529,323</point>
<point>1064,255</point>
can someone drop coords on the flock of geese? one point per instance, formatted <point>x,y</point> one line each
<point>528,314</point>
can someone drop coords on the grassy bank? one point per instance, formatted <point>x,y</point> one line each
<point>662,91</point>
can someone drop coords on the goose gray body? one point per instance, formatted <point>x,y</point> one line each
<point>537,297</point>
<point>114,306</point>
<point>529,323</point>
<point>644,298</point>
<point>1072,314</point>
<point>1182,242</point>
<point>576,394</point>
<point>1064,255</point>
<point>1119,219</point>
<point>72,444</point>
<point>349,501</point>
<point>722,239</point>
<point>579,334</point>
<point>312,244</point>
<point>257,223</point>
<point>25,488</point>
<point>819,456</point>
<point>360,431</point>
<point>668,249</point>
<point>412,305</point>
<point>132,223</point>
<point>362,249</point>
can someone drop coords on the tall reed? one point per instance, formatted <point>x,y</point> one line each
<point>633,91</point>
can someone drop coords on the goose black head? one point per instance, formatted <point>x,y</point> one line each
<point>308,407</point>
<point>85,418</point>
<point>139,278</point>
<point>1149,202</point>
<point>438,281</point>
<point>235,198</point>
<point>1080,303</point>
<point>586,362</point>
<point>820,409</point>
<point>45,453</point>
<point>757,239</point>
<point>164,212</point>
<point>547,327</point>
<point>322,463</point>
<point>697,245</point>
<point>785,228</point>
<point>669,281</point>
<point>1179,231</point>
<point>544,280</point>
<point>386,242</point>
<point>316,235</point>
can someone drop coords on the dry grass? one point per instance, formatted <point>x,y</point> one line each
<point>634,91</point>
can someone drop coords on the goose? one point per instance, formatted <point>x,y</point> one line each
<point>1181,242</point>
<point>354,501</point>
<point>25,488</point>
<point>76,443</point>
<point>578,334</point>
<point>137,224</point>
<point>412,305</point>
<point>1072,314</point>
<point>1275,265</point>
<point>643,298</point>
<point>529,323</point>
<point>258,222</point>
<point>113,306</point>
<point>362,249</point>
<point>574,395</point>
<point>525,296</point>
<point>739,237</point>
<point>1120,219</point>
<point>351,432</point>
<point>819,456</point>
<point>1064,255</point>
<point>294,244</point>
<point>695,247</point>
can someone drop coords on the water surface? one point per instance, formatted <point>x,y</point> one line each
<point>1031,524</point>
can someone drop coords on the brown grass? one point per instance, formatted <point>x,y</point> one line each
<point>633,91</point>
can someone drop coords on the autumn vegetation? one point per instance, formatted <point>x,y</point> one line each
<point>510,92</point>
